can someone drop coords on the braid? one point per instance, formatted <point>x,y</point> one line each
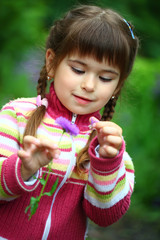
<point>109,109</point>
<point>83,155</point>
<point>37,115</point>
<point>42,82</point>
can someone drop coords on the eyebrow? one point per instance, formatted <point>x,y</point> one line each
<point>84,64</point>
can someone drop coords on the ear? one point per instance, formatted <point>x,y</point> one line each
<point>49,62</point>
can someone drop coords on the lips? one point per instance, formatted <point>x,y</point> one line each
<point>82,100</point>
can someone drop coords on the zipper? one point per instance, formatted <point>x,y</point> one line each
<point>74,117</point>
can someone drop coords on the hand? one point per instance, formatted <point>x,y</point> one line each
<point>35,154</point>
<point>109,136</point>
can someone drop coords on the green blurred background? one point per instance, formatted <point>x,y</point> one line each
<point>24,26</point>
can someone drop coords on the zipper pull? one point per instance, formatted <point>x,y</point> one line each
<point>74,116</point>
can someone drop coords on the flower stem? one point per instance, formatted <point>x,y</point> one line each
<point>50,168</point>
<point>42,190</point>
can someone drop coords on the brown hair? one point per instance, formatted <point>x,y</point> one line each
<point>90,31</point>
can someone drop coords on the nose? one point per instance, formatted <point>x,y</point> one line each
<point>88,83</point>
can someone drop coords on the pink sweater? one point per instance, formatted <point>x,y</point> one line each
<point>101,194</point>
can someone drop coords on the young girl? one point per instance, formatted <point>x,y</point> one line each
<point>89,54</point>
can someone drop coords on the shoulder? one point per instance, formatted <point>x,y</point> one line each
<point>23,103</point>
<point>20,105</point>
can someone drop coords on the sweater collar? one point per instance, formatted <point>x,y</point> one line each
<point>56,109</point>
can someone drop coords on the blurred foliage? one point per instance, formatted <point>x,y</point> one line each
<point>21,24</point>
<point>24,25</point>
<point>138,113</point>
<point>144,14</point>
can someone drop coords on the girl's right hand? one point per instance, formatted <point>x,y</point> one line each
<point>35,154</point>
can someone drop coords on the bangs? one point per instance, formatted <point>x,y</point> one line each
<point>99,40</point>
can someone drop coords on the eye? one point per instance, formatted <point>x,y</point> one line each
<point>105,79</point>
<point>77,70</point>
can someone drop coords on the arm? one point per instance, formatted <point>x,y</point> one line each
<point>18,164</point>
<point>110,184</point>
<point>11,182</point>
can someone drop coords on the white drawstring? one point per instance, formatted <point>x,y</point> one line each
<point>69,169</point>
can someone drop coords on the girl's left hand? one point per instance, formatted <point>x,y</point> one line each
<point>109,136</point>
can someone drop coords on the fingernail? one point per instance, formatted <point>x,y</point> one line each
<point>55,145</point>
<point>101,130</point>
<point>92,126</point>
<point>37,141</point>
<point>56,156</point>
<point>94,121</point>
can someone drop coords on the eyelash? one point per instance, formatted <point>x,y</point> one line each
<point>78,71</point>
<point>105,79</point>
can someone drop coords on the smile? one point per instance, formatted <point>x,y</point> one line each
<point>82,100</point>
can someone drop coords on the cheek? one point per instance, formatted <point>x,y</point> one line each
<point>64,80</point>
<point>105,94</point>
<point>63,87</point>
<point>109,90</point>
<point>104,100</point>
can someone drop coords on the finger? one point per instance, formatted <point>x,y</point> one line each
<point>107,124</point>
<point>29,140</point>
<point>113,141</point>
<point>48,154</point>
<point>33,144</point>
<point>108,151</point>
<point>111,131</point>
<point>23,154</point>
<point>93,122</point>
<point>52,154</point>
<point>45,143</point>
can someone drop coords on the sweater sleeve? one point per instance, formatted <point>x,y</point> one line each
<point>11,183</point>
<point>109,188</point>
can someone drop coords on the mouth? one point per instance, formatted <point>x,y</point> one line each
<point>82,100</point>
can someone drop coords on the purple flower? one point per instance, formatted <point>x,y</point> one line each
<point>68,126</point>
<point>94,120</point>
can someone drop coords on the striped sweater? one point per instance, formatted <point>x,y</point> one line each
<point>102,193</point>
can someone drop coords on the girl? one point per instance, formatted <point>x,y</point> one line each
<point>89,53</point>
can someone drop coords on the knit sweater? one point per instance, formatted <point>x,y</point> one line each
<point>102,193</point>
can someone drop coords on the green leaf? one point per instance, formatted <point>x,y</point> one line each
<point>52,189</point>
<point>42,181</point>
<point>33,209</point>
<point>32,206</point>
<point>27,208</point>
<point>34,200</point>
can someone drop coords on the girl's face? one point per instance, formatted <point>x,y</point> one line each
<point>84,85</point>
